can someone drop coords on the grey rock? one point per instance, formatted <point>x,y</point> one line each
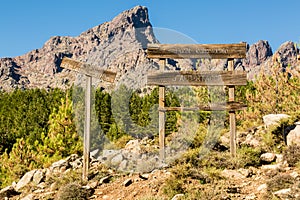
<point>8,192</point>
<point>178,197</point>
<point>287,54</point>
<point>105,179</point>
<point>28,197</point>
<point>274,119</point>
<point>257,54</point>
<point>38,177</point>
<point>25,180</point>
<point>268,157</point>
<point>283,193</point>
<point>293,136</point>
<point>116,160</point>
<point>232,174</point>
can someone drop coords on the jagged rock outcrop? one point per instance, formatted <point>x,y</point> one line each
<point>117,45</point>
<point>287,54</point>
<point>257,54</point>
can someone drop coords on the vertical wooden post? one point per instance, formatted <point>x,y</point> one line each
<point>87,128</point>
<point>232,120</point>
<point>162,115</point>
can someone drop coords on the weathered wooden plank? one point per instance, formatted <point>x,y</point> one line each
<point>195,78</point>
<point>232,116</point>
<point>87,129</point>
<point>211,51</point>
<point>87,69</point>
<point>229,106</point>
<point>162,115</point>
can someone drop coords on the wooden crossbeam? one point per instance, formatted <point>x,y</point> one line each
<point>211,51</point>
<point>229,106</point>
<point>195,78</point>
<point>87,69</point>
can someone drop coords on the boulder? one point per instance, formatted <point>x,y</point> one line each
<point>25,180</point>
<point>273,119</point>
<point>268,158</point>
<point>293,136</point>
<point>38,176</point>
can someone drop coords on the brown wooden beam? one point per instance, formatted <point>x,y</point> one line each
<point>195,78</point>
<point>211,51</point>
<point>229,106</point>
<point>87,69</point>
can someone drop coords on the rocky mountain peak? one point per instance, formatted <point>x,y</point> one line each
<point>117,45</point>
<point>287,53</point>
<point>257,53</point>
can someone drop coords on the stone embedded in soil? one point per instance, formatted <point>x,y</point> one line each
<point>268,157</point>
<point>127,182</point>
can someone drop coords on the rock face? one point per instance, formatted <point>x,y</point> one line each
<point>257,54</point>
<point>118,45</point>
<point>287,54</point>
<point>294,135</point>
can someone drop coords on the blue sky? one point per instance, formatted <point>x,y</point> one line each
<point>27,25</point>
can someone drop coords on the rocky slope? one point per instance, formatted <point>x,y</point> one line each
<point>118,45</point>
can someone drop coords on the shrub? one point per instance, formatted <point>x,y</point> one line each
<point>73,191</point>
<point>292,155</point>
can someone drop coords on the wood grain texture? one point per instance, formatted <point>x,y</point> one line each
<point>229,106</point>
<point>87,69</point>
<point>194,78</point>
<point>211,51</point>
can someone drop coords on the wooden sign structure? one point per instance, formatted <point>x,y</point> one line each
<point>229,78</point>
<point>89,71</point>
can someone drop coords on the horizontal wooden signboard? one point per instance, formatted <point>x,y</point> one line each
<point>211,51</point>
<point>87,69</point>
<point>229,106</point>
<point>195,78</point>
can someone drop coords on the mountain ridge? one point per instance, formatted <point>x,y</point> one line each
<point>118,45</point>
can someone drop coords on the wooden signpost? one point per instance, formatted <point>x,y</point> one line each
<point>89,71</point>
<point>228,78</point>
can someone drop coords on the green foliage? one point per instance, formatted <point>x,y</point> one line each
<point>60,140</point>
<point>25,114</point>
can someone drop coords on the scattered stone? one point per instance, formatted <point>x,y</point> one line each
<point>117,160</point>
<point>93,184</point>
<point>251,141</point>
<point>250,197</point>
<point>279,158</point>
<point>282,193</point>
<point>271,167</point>
<point>8,192</point>
<point>105,179</point>
<point>293,136</point>
<point>294,175</point>
<point>262,188</point>
<point>144,176</point>
<point>38,177</point>
<point>268,157</point>
<point>178,197</point>
<point>28,197</point>
<point>273,119</point>
<point>232,174</point>
<point>25,179</point>
<point>127,182</point>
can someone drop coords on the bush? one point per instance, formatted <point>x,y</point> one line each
<point>292,155</point>
<point>73,191</point>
